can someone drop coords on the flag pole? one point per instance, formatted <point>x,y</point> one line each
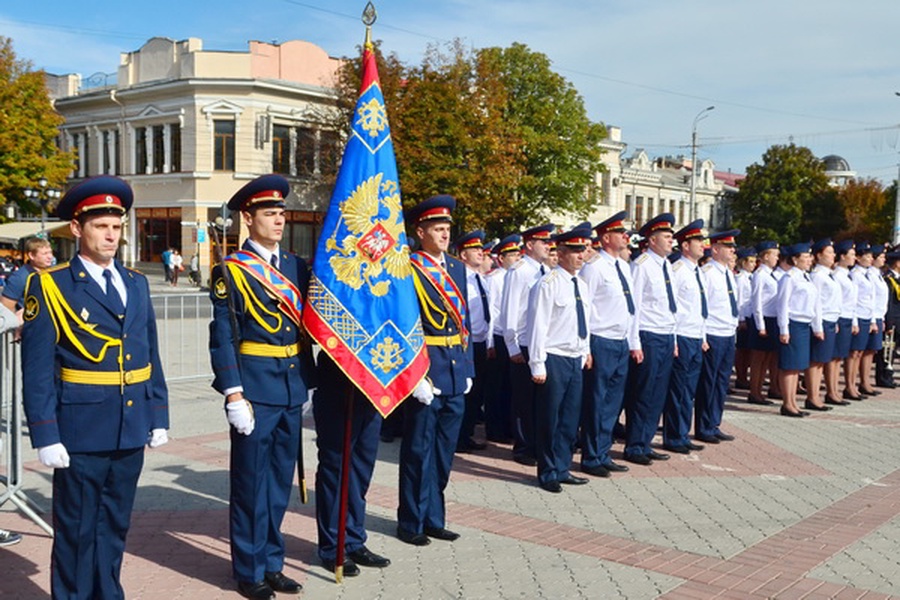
<point>368,18</point>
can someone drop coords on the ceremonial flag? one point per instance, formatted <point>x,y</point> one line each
<point>361,305</point>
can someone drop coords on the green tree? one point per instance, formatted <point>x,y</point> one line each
<point>868,210</point>
<point>774,195</point>
<point>28,128</point>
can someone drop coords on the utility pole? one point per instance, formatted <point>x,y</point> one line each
<point>700,116</point>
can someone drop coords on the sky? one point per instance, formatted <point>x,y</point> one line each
<point>822,75</point>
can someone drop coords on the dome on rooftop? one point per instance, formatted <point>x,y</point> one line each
<point>833,162</point>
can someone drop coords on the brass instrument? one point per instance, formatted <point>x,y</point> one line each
<point>888,350</point>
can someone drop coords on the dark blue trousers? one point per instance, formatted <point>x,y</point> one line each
<point>713,387</point>
<point>605,385</point>
<point>92,503</point>
<point>498,422</point>
<point>262,473</point>
<point>426,456</point>
<point>329,410</point>
<point>475,397</point>
<point>558,405</point>
<point>679,409</point>
<point>522,388</point>
<point>651,385</point>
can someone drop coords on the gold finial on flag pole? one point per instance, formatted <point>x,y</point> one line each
<point>368,18</point>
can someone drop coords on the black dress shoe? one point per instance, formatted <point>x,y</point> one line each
<point>524,459</point>
<point>350,568</point>
<point>759,401</point>
<point>810,406</point>
<point>638,459</point>
<point>741,385</point>
<point>500,439</point>
<point>836,402</point>
<point>439,533</point>
<point>574,480</point>
<point>709,439</point>
<point>366,558</point>
<point>725,437</point>
<point>678,449</point>
<point>615,467</point>
<point>416,539</point>
<point>470,445</point>
<point>279,582</point>
<point>653,455</point>
<point>848,396</point>
<point>387,439</point>
<point>786,413</point>
<point>551,486</point>
<point>259,590</point>
<point>596,470</point>
<point>870,392</point>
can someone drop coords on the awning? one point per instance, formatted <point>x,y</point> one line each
<point>11,233</point>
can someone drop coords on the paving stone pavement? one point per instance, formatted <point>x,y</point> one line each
<point>791,509</point>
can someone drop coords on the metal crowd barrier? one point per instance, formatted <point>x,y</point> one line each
<point>12,422</point>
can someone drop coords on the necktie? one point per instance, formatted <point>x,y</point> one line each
<point>484,301</point>
<point>625,289</point>
<point>672,308</point>
<point>704,308</point>
<point>731,295</point>
<point>579,308</point>
<point>112,294</point>
<point>542,269</point>
<point>273,260</point>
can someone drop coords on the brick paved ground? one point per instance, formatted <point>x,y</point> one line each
<point>792,509</point>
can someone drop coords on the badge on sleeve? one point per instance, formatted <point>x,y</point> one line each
<point>220,289</point>
<point>32,307</point>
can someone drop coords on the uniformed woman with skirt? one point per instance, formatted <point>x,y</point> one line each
<point>880,300</point>
<point>865,309</point>
<point>822,350</point>
<point>799,317</point>
<point>847,323</point>
<point>762,324</point>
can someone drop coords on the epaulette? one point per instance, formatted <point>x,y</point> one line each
<point>517,265</point>
<point>549,277</point>
<point>641,259</point>
<point>494,272</point>
<point>55,268</point>
<point>677,266</point>
<point>707,267</point>
<point>133,270</point>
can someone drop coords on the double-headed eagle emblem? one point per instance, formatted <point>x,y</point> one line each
<point>372,247</point>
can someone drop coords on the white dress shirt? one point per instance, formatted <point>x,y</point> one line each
<point>848,294</point>
<point>798,300</point>
<point>96,273</point>
<point>554,320</point>
<point>742,279</point>
<point>481,326</point>
<point>829,292</point>
<point>610,318</point>
<point>519,280</point>
<point>266,255</point>
<point>865,292</point>
<point>763,293</point>
<point>689,321</point>
<point>719,278</point>
<point>881,293</point>
<point>651,300</point>
<point>495,280</point>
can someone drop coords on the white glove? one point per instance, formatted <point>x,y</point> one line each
<point>240,416</point>
<point>54,456</point>
<point>469,383</point>
<point>425,392</point>
<point>158,437</point>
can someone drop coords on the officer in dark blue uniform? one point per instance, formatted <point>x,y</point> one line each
<point>95,393</point>
<point>434,415</point>
<point>262,368</point>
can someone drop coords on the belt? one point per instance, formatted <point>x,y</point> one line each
<point>119,378</point>
<point>443,340</point>
<point>259,349</point>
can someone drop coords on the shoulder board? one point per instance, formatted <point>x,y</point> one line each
<point>642,259</point>
<point>133,270</point>
<point>677,266</point>
<point>707,267</point>
<point>549,277</point>
<point>56,268</point>
<point>517,265</point>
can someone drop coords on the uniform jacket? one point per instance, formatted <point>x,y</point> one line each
<point>89,417</point>
<point>892,318</point>
<point>450,366</point>
<point>264,379</point>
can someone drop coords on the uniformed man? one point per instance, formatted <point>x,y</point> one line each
<point>513,319</point>
<point>690,327</point>
<point>651,340</point>
<point>884,370</point>
<point>470,250</point>
<point>498,418</point>
<point>94,393</point>
<point>559,348</point>
<point>431,425</point>
<point>609,284</point>
<point>746,263</point>
<point>721,328</point>
<point>263,370</point>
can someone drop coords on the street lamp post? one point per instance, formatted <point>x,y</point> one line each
<point>42,195</point>
<point>700,116</point>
